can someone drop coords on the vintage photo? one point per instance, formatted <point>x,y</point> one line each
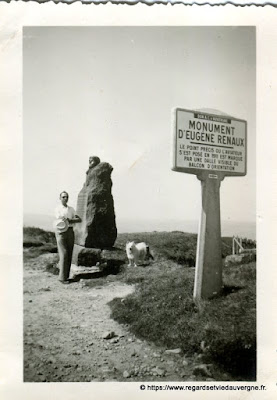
<point>139,180</point>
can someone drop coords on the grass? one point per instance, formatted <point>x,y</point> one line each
<point>35,236</point>
<point>162,311</point>
<point>176,246</point>
<point>36,241</point>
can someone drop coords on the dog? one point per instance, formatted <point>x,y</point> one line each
<point>137,253</point>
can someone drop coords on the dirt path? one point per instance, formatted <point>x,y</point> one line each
<point>64,329</point>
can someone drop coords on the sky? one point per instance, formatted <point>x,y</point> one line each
<point>109,92</point>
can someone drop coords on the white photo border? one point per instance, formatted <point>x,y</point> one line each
<point>16,15</point>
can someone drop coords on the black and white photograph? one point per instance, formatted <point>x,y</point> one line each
<point>138,198</point>
<point>139,204</point>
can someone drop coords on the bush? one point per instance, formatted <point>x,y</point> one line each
<point>37,237</point>
<point>32,243</point>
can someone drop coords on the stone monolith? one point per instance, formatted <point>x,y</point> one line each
<point>95,206</point>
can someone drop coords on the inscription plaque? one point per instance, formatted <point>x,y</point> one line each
<point>82,204</point>
<point>81,210</point>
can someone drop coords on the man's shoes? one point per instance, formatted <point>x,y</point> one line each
<point>64,282</point>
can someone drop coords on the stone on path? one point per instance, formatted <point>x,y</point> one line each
<point>158,371</point>
<point>174,351</point>
<point>114,340</point>
<point>202,370</point>
<point>109,335</point>
<point>126,374</point>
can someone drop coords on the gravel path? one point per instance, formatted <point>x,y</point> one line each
<point>70,337</point>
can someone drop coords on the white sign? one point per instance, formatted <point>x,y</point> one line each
<point>209,142</point>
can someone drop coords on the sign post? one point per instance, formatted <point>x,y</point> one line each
<point>210,146</point>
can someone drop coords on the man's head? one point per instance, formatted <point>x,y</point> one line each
<point>64,197</point>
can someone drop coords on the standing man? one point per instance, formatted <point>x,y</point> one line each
<point>65,218</point>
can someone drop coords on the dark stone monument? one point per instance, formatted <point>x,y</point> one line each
<point>95,206</point>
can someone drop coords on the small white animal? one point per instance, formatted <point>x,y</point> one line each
<point>137,253</point>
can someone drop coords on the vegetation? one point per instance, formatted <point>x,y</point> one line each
<point>162,309</point>
<point>176,246</point>
<point>36,241</point>
<point>37,237</point>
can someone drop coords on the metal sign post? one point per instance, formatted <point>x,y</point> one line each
<point>210,146</point>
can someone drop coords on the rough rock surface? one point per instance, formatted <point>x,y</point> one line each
<point>95,206</point>
<point>85,257</point>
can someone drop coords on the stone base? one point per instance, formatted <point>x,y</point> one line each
<point>85,257</point>
<point>113,257</point>
<point>88,257</point>
<point>75,270</point>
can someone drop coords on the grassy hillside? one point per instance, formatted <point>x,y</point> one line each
<point>222,330</point>
<point>36,241</point>
<point>162,310</point>
<point>33,237</point>
<point>176,246</point>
